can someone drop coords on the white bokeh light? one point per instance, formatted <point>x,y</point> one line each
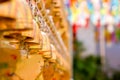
<point>110,28</point>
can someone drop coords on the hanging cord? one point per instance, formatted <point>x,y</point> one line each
<point>28,50</point>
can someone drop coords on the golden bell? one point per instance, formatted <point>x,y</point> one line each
<point>24,16</point>
<point>54,57</point>
<point>17,35</point>
<point>46,48</point>
<point>39,46</point>
<point>26,35</point>
<point>8,9</point>
<point>60,60</point>
<point>35,33</point>
<point>21,14</point>
<point>63,64</point>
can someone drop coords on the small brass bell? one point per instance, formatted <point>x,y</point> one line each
<point>46,48</point>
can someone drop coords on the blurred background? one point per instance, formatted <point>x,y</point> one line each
<point>96,38</point>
